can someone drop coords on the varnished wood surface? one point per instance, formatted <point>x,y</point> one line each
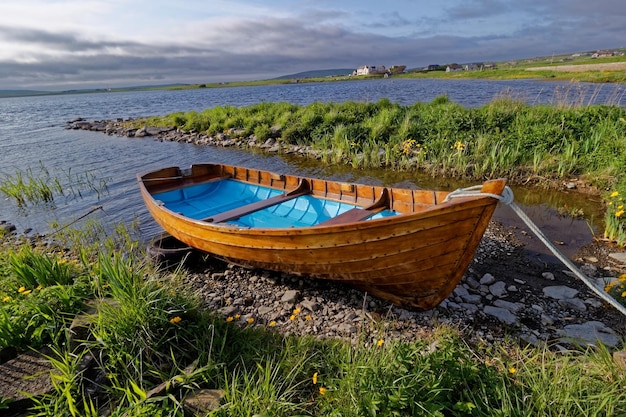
<point>414,259</point>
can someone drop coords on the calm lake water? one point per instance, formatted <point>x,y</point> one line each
<point>33,137</point>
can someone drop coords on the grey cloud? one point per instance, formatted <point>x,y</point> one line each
<point>59,41</point>
<point>270,47</point>
<point>478,9</point>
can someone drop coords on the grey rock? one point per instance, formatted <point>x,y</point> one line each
<point>547,320</point>
<point>498,289</point>
<point>460,291</point>
<point>501,314</point>
<point>203,401</point>
<point>548,275</point>
<point>530,339</point>
<point>472,298</point>
<point>589,333</point>
<point>290,296</point>
<point>573,303</point>
<point>264,310</point>
<point>487,279</point>
<point>593,302</point>
<point>228,310</point>
<point>453,306</point>
<point>512,307</point>
<point>470,308</point>
<point>310,305</point>
<point>560,292</point>
<point>589,269</point>
<point>619,257</point>
<point>472,283</point>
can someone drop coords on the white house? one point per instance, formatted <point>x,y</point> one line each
<point>370,69</point>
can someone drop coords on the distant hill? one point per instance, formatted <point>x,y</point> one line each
<point>23,93</point>
<point>317,74</point>
<point>20,93</point>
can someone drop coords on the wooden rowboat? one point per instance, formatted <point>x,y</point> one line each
<point>410,247</point>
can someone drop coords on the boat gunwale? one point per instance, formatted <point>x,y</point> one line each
<point>398,219</point>
<point>431,210</point>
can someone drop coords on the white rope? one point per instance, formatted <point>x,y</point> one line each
<point>507,198</point>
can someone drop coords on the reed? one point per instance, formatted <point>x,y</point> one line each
<point>42,187</point>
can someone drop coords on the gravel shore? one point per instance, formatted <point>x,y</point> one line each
<point>504,294</point>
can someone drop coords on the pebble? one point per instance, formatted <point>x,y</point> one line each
<point>589,333</point>
<point>330,310</point>
<point>619,257</point>
<point>560,292</point>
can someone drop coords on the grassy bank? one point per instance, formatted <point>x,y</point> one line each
<point>153,346</point>
<point>505,138</point>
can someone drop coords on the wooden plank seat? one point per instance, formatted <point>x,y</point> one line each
<point>358,214</point>
<point>302,189</point>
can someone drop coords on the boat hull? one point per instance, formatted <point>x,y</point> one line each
<point>414,259</point>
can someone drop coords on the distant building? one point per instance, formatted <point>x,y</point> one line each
<point>397,69</point>
<point>432,67</point>
<point>454,68</point>
<point>369,70</point>
<point>602,54</point>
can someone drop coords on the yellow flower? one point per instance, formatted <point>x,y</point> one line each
<point>39,287</point>
<point>459,146</point>
<point>512,370</point>
<point>292,317</point>
<point>6,299</point>
<point>21,289</point>
<point>272,323</point>
<point>237,316</point>
<point>614,194</point>
<point>307,317</point>
<point>175,320</point>
<point>314,378</point>
<point>322,390</point>
<point>250,320</point>
<point>619,213</point>
<point>296,311</point>
<point>380,342</point>
<point>26,292</point>
<point>229,319</point>
<point>624,294</point>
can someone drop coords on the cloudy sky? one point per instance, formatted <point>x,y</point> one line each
<point>67,44</point>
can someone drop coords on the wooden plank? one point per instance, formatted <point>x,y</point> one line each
<point>353,215</point>
<point>357,214</point>
<point>302,189</point>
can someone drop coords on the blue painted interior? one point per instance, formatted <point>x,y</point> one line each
<point>205,200</point>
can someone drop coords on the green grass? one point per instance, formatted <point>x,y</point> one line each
<point>149,330</point>
<point>504,138</point>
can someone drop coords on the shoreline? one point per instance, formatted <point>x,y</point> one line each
<point>518,301</point>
